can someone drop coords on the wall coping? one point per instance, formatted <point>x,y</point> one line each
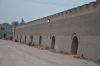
<point>83,8</point>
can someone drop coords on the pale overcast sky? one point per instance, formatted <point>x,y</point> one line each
<point>12,10</point>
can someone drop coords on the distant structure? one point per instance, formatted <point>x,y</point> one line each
<point>5,31</point>
<point>75,31</point>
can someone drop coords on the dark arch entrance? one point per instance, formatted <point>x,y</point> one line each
<point>20,37</point>
<point>25,38</point>
<point>40,40</point>
<point>17,37</point>
<point>74,46</point>
<point>53,42</point>
<point>31,37</point>
<point>4,35</point>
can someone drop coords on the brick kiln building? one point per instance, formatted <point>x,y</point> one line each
<point>74,31</point>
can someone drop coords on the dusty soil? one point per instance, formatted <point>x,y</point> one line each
<point>16,54</point>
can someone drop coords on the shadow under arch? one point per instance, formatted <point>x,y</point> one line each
<point>74,46</point>
<point>40,40</point>
<point>4,35</point>
<point>31,39</point>
<point>53,42</point>
<point>25,38</point>
<point>20,37</point>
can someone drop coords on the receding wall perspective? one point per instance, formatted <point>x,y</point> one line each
<point>75,31</point>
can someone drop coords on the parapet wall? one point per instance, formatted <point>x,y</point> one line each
<point>80,10</point>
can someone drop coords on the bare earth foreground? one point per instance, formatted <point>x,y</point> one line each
<point>16,54</point>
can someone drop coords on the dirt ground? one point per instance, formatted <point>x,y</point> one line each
<point>16,54</point>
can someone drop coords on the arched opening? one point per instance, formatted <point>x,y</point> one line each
<point>20,37</point>
<point>25,38</point>
<point>53,42</point>
<point>4,35</point>
<point>74,46</point>
<point>31,37</point>
<point>16,39</point>
<point>0,35</point>
<point>40,40</point>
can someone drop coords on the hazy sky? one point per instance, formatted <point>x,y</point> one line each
<point>12,10</point>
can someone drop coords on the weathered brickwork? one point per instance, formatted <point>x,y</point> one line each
<point>74,31</point>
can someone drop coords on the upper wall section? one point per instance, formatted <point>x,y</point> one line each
<point>80,10</point>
